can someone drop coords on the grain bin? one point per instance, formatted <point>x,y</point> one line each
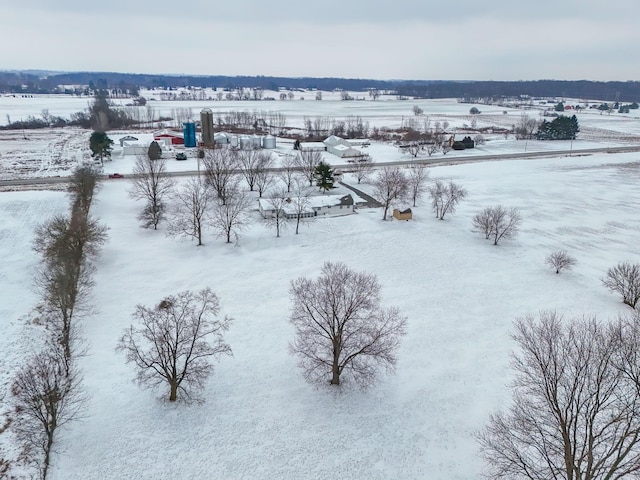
<point>269,142</point>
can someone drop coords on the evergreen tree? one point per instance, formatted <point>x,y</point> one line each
<point>324,176</point>
<point>100,145</point>
<point>154,152</point>
<point>562,128</point>
<point>559,107</point>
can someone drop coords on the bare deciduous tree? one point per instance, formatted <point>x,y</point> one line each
<point>445,197</point>
<point>414,148</point>
<point>288,171</point>
<point>219,165</point>
<point>83,184</point>
<point>188,215</point>
<point>46,396</point>
<point>417,177</point>
<point>68,247</point>
<point>264,176</point>
<point>249,162</point>
<point>307,161</point>
<point>526,128</point>
<point>574,413</point>
<point>341,326</point>
<point>390,186</point>
<point>301,204</point>
<point>362,168</point>
<point>175,342</point>
<point>229,218</point>
<point>432,147</point>
<point>624,279</point>
<point>277,200</point>
<point>498,223</point>
<point>560,260</point>
<point>151,184</point>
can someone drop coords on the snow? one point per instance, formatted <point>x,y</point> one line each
<point>260,418</point>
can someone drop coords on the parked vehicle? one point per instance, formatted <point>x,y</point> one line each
<point>116,175</point>
<point>181,156</point>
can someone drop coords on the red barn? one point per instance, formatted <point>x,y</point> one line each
<point>177,138</point>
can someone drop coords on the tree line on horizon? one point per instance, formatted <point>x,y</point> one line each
<point>26,82</point>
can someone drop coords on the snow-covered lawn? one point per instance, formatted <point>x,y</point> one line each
<point>260,419</point>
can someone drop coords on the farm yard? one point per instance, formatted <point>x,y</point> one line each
<point>260,419</point>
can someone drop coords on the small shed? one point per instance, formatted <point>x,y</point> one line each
<point>402,214</point>
<point>127,138</point>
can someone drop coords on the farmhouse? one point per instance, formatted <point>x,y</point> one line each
<point>317,206</point>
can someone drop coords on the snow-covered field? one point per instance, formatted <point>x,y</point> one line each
<point>260,419</point>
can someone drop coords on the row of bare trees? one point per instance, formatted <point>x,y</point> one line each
<point>216,198</point>
<point>351,126</point>
<point>46,391</point>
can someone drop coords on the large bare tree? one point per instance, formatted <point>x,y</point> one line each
<point>389,187</point>
<point>307,161</point>
<point>418,175</point>
<point>231,217</point>
<point>288,171</point>
<point>264,175</point>
<point>219,167</point>
<point>574,415</point>
<point>445,197</point>
<point>249,162</point>
<point>341,326</point>
<point>175,342</point>
<point>191,204</point>
<point>46,396</point>
<point>152,184</point>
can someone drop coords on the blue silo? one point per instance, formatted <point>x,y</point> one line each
<point>189,134</point>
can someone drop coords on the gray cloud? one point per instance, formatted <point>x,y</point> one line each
<point>460,40</point>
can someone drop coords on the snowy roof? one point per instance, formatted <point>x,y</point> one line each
<point>167,133</point>
<point>335,140</point>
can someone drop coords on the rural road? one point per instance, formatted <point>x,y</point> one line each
<point>430,161</point>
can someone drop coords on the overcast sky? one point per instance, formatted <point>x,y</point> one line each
<point>400,39</point>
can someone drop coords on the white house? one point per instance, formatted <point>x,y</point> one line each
<point>316,206</point>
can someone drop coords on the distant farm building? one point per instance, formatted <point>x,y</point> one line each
<point>176,138</point>
<point>341,147</point>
